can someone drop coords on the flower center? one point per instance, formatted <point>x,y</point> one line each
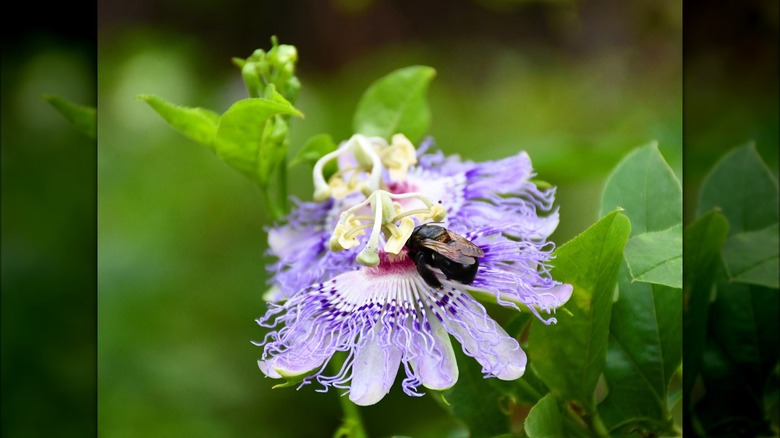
<point>389,218</point>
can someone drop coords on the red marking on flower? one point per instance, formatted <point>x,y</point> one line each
<point>392,264</point>
<point>400,187</point>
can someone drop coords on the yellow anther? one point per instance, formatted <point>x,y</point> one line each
<point>399,235</point>
<point>340,239</point>
<point>338,188</point>
<point>399,156</point>
<point>435,212</point>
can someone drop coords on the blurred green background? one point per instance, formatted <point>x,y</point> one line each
<point>181,246</point>
<point>48,237</point>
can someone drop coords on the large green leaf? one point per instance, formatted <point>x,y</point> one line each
<point>752,257</point>
<point>647,189</point>
<point>569,356</point>
<point>545,419</point>
<point>83,118</point>
<point>703,242</point>
<point>656,257</point>
<point>743,188</point>
<point>246,136</point>
<point>197,124</point>
<point>645,329</point>
<point>645,349</point>
<point>396,104</point>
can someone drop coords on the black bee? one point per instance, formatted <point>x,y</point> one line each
<point>453,254</point>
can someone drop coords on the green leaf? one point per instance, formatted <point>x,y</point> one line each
<point>731,362</point>
<point>475,400</point>
<point>83,118</point>
<point>743,188</point>
<point>396,104</point>
<point>246,136</point>
<point>645,330</point>
<point>752,257</point>
<point>314,149</point>
<point>703,241</point>
<point>656,257</point>
<point>545,419</point>
<point>645,349</point>
<point>197,124</point>
<point>646,187</point>
<point>569,356</point>
<point>741,354</point>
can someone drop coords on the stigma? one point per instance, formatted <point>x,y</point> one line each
<point>361,160</point>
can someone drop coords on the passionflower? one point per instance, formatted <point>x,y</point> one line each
<point>344,281</point>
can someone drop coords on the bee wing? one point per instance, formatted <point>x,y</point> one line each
<point>465,246</point>
<point>461,250</point>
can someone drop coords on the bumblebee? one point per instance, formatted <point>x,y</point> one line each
<point>454,255</point>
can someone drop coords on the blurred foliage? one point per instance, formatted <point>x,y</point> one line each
<point>48,241</point>
<point>731,319</point>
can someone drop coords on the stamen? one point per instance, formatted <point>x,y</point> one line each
<point>369,256</point>
<point>372,155</point>
<point>357,230</point>
<point>399,156</point>
<point>363,151</point>
<point>321,188</point>
<point>389,218</point>
<point>376,163</point>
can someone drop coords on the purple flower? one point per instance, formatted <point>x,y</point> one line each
<point>372,304</point>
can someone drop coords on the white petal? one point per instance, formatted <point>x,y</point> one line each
<point>556,297</point>
<point>488,343</point>
<point>373,373</point>
<point>438,372</point>
<point>267,369</point>
<point>309,352</point>
<point>280,240</point>
<point>545,227</point>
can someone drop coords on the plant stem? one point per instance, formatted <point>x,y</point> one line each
<point>528,389</point>
<point>353,424</point>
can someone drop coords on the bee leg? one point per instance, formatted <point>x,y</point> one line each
<point>425,272</point>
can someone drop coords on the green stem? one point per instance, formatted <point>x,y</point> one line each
<point>528,389</point>
<point>352,426</point>
<point>281,191</point>
<point>277,214</point>
<point>276,194</point>
<point>598,426</point>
